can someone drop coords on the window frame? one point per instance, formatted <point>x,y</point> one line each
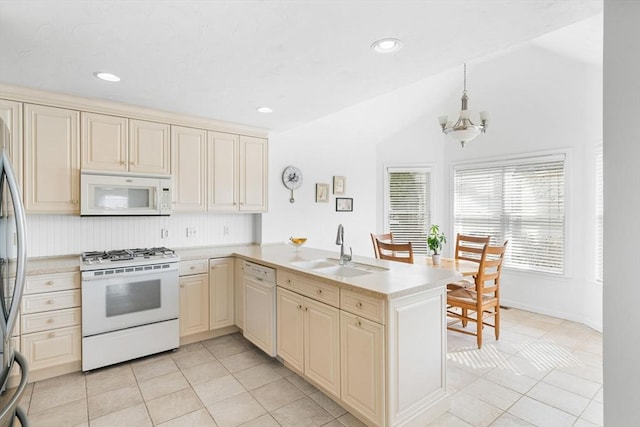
<point>523,159</point>
<point>427,168</point>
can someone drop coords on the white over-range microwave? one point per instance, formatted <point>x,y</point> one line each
<point>110,195</point>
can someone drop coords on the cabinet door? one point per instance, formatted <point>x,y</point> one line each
<point>189,168</point>
<point>223,172</point>
<point>52,160</point>
<point>239,295</point>
<point>11,134</point>
<point>194,304</point>
<point>260,305</point>
<point>290,328</point>
<point>51,348</point>
<point>362,366</point>
<point>221,286</point>
<point>104,142</point>
<point>149,147</point>
<point>253,174</point>
<point>322,345</point>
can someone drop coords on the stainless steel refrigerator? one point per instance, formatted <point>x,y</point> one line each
<point>13,258</point>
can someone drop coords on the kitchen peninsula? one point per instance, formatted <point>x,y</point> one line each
<point>371,334</point>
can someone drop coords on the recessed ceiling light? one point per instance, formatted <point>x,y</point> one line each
<point>264,110</point>
<point>386,45</point>
<point>108,77</point>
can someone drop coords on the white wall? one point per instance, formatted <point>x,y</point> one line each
<point>557,99</point>
<point>541,102</point>
<point>621,212</point>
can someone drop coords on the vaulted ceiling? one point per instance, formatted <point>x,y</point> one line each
<point>222,59</point>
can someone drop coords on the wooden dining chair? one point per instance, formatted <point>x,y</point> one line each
<point>386,237</point>
<point>402,252</point>
<point>481,303</point>
<point>468,248</point>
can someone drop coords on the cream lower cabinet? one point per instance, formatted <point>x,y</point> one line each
<point>239,294</point>
<point>194,297</point>
<point>221,292</point>
<point>50,321</point>
<point>362,366</point>
<point>51,160</point>
<point>194,304</point>
<point>309,338</point>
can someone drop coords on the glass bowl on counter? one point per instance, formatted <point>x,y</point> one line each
<point>297,242</point>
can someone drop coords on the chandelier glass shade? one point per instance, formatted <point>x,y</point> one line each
<point>464,129</point>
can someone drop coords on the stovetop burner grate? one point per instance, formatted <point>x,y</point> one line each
<point>126,255</point>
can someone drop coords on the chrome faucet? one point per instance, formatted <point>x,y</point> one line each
<point>344,258</point>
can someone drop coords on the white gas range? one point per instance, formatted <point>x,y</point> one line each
<point>129,305</point>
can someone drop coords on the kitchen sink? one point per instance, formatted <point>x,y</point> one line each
<point>331,267</point>
<point>316,263</point>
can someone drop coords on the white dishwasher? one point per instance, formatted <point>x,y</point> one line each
<point>260,306</point>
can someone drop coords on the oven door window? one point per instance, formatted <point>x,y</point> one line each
<point>133,297</point>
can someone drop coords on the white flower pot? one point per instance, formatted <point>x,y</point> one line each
<point>435,259</point>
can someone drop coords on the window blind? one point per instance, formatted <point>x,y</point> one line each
<point>599,253</point>
<point>408,206</point>
<point>520,201</point>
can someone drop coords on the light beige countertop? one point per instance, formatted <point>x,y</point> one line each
<point>54,264</point>
<point>396,278</point>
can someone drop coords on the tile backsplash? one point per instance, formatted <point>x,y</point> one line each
<point>51,235</point>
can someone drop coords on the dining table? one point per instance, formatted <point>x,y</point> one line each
<point>462,266</point>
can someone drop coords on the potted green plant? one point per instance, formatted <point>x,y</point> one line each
<point>435,240</point>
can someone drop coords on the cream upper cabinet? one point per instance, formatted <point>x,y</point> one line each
<point>362,366</point>
<point>223,176</point>
<point>149,147</point>
<point>189,169</point>
<point>11,134</point>
<point>253,174</point>
<point>221,292</point>
<point>52,160</point>
<point>238,173</point>
<point>194,304</point>
<point>119,144</point>
<point>104,142</point>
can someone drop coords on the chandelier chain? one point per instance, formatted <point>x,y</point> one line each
<point>465,77</point>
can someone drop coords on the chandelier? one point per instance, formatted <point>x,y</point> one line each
<point>464,130</point>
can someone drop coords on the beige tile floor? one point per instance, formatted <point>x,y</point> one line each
<point>542,372</point>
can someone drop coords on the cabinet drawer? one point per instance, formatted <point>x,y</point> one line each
<point>51,348</point>
<point>366,306</point>
<point>310,288</point>
<point>51,282</point>
<point>50,301</point>
<point>198,266</point>
<point>50,320</point>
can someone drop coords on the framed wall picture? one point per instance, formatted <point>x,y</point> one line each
<point>344,204</point>
<point>339,184</point>
<point>322,193</point>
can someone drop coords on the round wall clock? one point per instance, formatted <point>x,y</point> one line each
<point>292,179</point>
